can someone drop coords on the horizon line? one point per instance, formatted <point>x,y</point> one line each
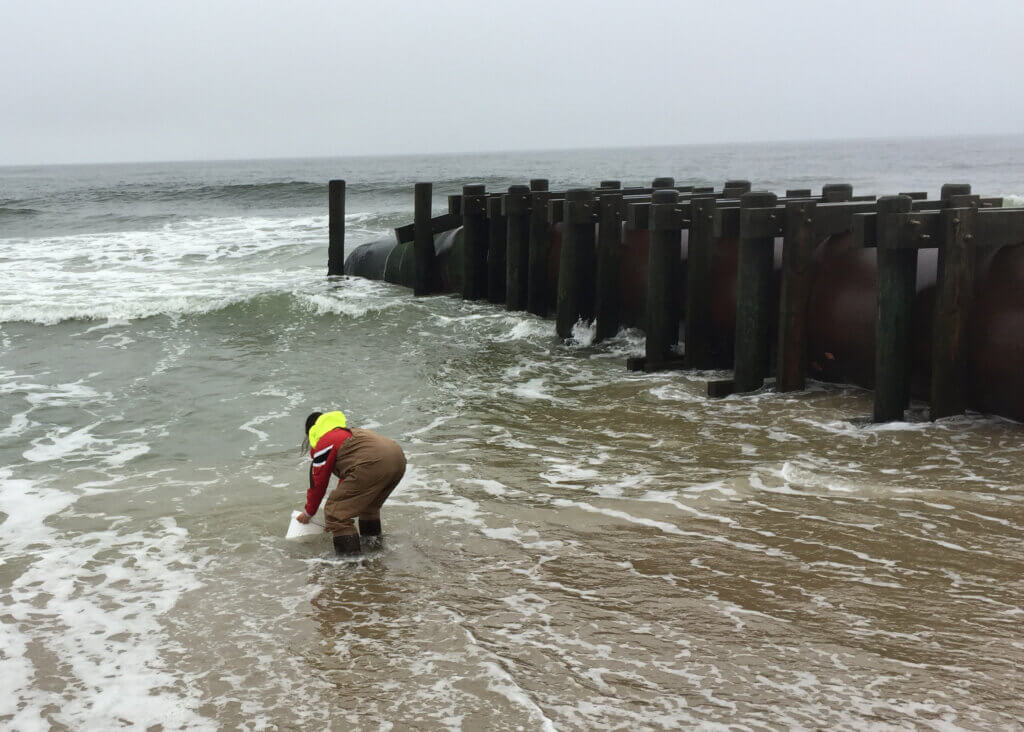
<point>581,148</point>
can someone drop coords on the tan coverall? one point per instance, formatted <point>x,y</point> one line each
<point>369,466</point>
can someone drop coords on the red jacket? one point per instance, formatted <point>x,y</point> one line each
<point>323,454</point>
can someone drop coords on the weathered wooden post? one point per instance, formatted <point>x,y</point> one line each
<point>665,182</point>
<point>664,277</point>
<point>611,184</point>
<point>577,268</point>
<point>753,299</point>
<point>949,191</point>
<point>836,192</point>
<point>609,256</point>
<point>474,243</point>
<point>540,244</point>
<point>517,258</point>
<point>699,269</point>
<point>335,228</point>
<point>455,206</point>
<point>799,240</point>
<point>954,296</point>
<point>496,250</point>
<point>423,239</point>
<point>897,280</point>
<point>735,188</point>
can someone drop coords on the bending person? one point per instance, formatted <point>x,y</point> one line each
<point>368,467</point>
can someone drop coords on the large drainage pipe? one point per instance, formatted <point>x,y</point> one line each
<point>841,314</point>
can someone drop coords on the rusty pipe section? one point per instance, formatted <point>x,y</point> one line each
<point>841,315</point>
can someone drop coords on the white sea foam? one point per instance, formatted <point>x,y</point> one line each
<point>525,328</point>
<point>359,298</point>
<point>534,389</point>
<point>1011,200</point>
<point>583,333</point>
<point>64,444</point>
<point>92,601</point>
<point>19,425</point>
<point>191,266</point>
<point>491,487</point>
<point>675,392</point>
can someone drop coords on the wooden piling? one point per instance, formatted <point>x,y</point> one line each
<point>335,228</point>
<point>455,206</point>
<point>517,238</point>
<point>664,182</point>
<point>423,239</point>
<point>954,297</point>
<point>699,278</point>
<point>540,244</point>
<point>949,190</point>
<point>897,279</point>
<point>664,279</point>
<point>735,188</point>
<point>496,250</point>
<point>577,267</point>
<point>475,242</point>
<point>836,192</point>
<point>753,300</point>
<point>609,257</point>
<point>798,245</point>
<point>611,184</point>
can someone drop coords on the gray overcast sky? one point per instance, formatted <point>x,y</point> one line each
<point>88,80</point>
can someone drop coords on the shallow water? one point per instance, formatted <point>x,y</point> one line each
<point>574,546</point>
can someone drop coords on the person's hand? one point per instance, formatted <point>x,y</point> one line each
<point>302,518</point>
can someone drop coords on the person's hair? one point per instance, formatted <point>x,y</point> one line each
<point>310,421</point>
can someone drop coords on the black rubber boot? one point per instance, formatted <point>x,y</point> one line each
<point>347,545</point>
<point>369,532</point>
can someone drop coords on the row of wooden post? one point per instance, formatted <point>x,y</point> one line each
<point>507,236</point>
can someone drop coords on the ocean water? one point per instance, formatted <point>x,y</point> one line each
<point>574,546</point>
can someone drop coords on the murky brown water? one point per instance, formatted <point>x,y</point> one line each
<point>574,546</point>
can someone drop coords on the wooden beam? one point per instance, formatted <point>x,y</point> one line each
<point>954,296</point>
<point>497,244</point>
<point>607,296</point>
<point>474,242</point>
<point>335,228</point>
<point>664,279</point>
<point>540,244</point>
<point>735,188</point>
<point>999,227</point>
<point>556,210</point>
<point>423,239</point>
<point>720,388</point>
<point>577,267</point>
<point>753,299</point>
<point>455,205</point>
<point>800,238</point>
<point>517,254</point>
<point>438,225</point>
<point>836,192</point>
<point>699,270</point>
<point>897,277</point>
